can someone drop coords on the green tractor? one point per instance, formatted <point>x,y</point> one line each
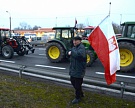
<point>126,44</point>
<point>57,48</point>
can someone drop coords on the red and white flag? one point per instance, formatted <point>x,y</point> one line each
<point>104,42</point>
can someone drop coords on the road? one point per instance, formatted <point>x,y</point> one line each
<point>39,60</point>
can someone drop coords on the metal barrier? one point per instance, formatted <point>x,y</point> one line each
<point>61,77</point>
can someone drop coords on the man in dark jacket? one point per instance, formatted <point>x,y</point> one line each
<point>77,67</point>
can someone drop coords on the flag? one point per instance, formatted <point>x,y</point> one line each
<point>75,22</point>
<point>104,42</point>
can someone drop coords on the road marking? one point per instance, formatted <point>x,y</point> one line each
<point>50,67</point>
<point>7,61</point>
<point>125,76</point>
<point>42,54</point>
<point>41,48</point>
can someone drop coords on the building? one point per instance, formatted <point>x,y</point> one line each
<point>38,32</point>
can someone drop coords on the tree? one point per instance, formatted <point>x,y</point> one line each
<point>117,28</point>
<point>23,25</point>
<point>29,27</point>
<point>80,27</point>
<point>36,27</point>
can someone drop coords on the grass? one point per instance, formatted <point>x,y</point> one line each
<point>26,93</point>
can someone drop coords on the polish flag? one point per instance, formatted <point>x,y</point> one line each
<point>104,42</point>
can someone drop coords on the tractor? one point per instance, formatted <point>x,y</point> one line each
<point>57,48</point>
<point>87,31</point>
<point>126,44</point>
<point>10,45</point>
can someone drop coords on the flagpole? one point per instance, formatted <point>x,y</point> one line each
<point>104,18</point>
<point>107,15</point>
<point>100,23</point>
<point>109,8</point>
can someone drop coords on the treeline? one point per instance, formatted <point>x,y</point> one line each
<point>25,26</point>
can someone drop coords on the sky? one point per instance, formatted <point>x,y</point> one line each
<point>50,13</point>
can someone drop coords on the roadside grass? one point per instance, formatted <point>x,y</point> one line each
<point>26,93</point>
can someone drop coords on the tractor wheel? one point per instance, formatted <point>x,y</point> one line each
<point>90,57</point>
<point>7,52</point>
<point>127,56</point>
<point>55,52</point>
<point>21,53</point>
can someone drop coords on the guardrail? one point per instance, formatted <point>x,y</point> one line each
<point>62,77</point>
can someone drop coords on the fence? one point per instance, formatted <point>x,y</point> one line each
<point>120,87</point>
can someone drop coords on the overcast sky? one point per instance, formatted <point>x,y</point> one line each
<point>49,13</point>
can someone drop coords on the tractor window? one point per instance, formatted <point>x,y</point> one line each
<point>7,33</point>
<point>133,32</point>
<point>129,31</point>
<point>57,34</point>
<point>87,32</point>
<point>66,34</point>
<point>123,29</point>
<point>4,33</point>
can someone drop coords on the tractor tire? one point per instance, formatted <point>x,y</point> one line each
<point>55,52</point>
<point>90,57</point>
<point>21,53</point>
<point>7,52</point>
<point>127,56</point>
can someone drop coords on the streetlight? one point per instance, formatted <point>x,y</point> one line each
<point>9,21</point>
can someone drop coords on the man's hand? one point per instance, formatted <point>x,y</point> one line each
<point>69,53</point>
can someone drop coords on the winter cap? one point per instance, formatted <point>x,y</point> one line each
<point>77,38</point>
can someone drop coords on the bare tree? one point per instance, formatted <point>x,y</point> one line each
<point>29,27</point>
<point>36,27</point>
<point>117,28</point>
<point>23,25</point>
<point>80,27</point>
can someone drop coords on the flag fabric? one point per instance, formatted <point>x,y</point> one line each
<point>75,22</point>
<point>104,42</point>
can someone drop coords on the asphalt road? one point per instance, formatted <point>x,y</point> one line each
<point>39,60</point>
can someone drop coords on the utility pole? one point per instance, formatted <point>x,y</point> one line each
<point>120,18</point>
<point>9,21</point>
<point>56,22</point>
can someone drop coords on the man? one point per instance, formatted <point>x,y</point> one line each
<point>77,67</point>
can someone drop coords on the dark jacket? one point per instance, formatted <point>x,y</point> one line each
<point>78,61</point>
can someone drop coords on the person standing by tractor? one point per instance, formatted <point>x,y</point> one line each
<point>77,67</point>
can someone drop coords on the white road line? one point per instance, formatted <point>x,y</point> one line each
<point>41,48</point>
<point>125,76</point>
<point>51,67</point>
<point>42,54</point>
<point>7,61</point>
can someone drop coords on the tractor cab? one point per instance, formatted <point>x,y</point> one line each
<point>65,35</point>
<point>65,32</point>
<point>4,33</point>
<point>87,31</point>
<point>128,29</point>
